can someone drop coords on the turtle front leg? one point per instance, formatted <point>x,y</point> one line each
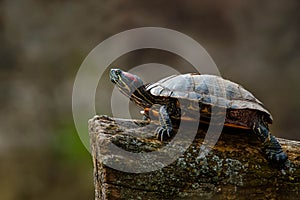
<point>165,130</point>
<point>272,148</point>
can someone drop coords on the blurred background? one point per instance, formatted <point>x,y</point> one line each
<point>43,43</point>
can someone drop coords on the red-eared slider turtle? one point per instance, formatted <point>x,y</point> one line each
<point>243,110</point>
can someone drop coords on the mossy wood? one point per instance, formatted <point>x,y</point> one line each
<point>234,169</point>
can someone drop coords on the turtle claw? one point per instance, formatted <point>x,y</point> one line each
<point>278,158</point>
<point>163,133</point>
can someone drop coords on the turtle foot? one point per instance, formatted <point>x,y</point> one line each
<point>278,159</point>
<point>163,133</point>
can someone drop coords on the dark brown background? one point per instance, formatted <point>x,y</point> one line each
<point>255,43</point>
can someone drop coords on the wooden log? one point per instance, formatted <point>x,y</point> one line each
<point>234,169</point>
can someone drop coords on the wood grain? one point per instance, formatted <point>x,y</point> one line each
<point>234,169</point>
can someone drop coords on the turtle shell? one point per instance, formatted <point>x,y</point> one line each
<point>209,90</point>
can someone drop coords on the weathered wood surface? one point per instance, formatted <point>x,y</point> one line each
<point>234,169</point>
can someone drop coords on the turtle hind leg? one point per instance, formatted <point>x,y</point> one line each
<point>272,148</point>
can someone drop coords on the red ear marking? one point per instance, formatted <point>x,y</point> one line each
<point>130,76</point>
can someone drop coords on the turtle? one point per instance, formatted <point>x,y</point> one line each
<point>200,92</point>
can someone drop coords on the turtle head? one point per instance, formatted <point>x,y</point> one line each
<point>126,82</point>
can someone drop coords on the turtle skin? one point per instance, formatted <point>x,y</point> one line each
<point>177,97</point>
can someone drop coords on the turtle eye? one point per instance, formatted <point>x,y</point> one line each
<point>118,72</point>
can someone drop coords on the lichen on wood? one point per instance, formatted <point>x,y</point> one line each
<point>234,169</point>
